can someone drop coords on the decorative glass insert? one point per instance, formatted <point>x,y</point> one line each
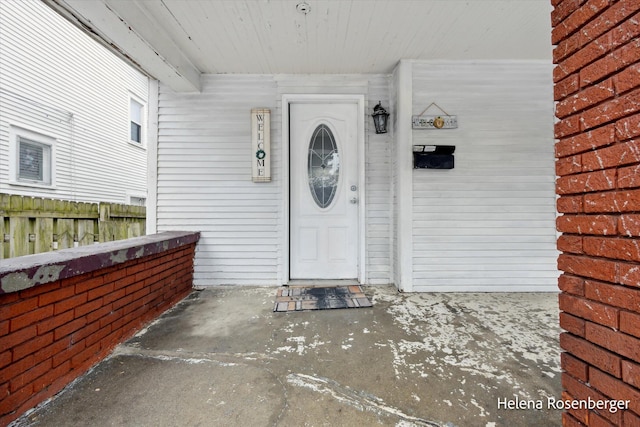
<point>323,166</point>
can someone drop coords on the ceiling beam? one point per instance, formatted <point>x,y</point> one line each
<point>112,23</point>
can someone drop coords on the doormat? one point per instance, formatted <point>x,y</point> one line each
<point>301,298</point>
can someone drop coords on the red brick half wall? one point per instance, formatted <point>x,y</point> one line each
<point>62,312</point>
<point>597,93</point>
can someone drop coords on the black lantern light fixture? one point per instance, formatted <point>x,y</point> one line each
<point>380,117</point>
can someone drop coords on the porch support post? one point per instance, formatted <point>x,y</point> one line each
<point>152,157</point>
<point>404,175</point>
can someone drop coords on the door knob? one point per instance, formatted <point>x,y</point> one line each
<point>354,200</point>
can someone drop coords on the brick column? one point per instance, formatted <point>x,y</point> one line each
<point>597,89</point>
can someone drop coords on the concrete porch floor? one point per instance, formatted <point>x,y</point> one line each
<point>222,357</point>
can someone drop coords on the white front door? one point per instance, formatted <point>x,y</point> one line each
<point>323,191</point>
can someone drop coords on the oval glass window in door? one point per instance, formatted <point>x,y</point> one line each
<point>323,166</point>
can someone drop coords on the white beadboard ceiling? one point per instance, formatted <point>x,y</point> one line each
<point>336,36</point>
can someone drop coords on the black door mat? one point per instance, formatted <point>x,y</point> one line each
<point>300,298</point>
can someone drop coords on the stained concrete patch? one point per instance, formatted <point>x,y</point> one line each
<point>411,360</point>
<point>15,282</point>
<point>478,348</point>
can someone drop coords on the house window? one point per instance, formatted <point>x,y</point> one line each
<point>137,201</point>
<point>136,121</point>
<point>32,157</point>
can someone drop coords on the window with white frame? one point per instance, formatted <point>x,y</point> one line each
<point>136,120</point>
<point>138,200</point>
<point>32,158</point>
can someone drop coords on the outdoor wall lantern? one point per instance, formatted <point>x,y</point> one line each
<point>380,117</point>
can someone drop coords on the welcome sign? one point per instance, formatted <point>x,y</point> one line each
<point>261,144</point>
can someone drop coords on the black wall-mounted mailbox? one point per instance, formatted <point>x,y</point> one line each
<point>433,156</point>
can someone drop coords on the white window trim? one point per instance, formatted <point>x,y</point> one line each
<point>15,133</point>
<point>143,125</point>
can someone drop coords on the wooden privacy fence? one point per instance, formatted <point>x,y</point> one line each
<point>30,225</point>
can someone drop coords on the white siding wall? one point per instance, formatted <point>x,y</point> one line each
<point>378,173</point>
<point>57,81</point>
<point>204,179</point>
<point>395,213</point>
<point>488,224</point>
<point>204,175</point>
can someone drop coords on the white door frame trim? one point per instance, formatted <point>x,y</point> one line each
<point>288,99</point>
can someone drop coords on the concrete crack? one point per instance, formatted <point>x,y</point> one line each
<point>285,397</point>
<point>359,401</point>
<point>223,359</point>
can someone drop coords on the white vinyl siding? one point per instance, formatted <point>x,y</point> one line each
<point>204,175</point>
<point>489,223</point>
<point>59,82</point>
<point>204,179</point>
<point>394,178</point>
<point>378,176</point>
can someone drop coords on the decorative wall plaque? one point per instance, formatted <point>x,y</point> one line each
<point>261,144</point>
<point>443,121</point>
<point>434,122</point>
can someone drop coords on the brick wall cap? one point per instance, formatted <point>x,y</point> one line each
<point>29,271</point>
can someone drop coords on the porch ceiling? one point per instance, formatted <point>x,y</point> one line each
<point>177,40</point>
